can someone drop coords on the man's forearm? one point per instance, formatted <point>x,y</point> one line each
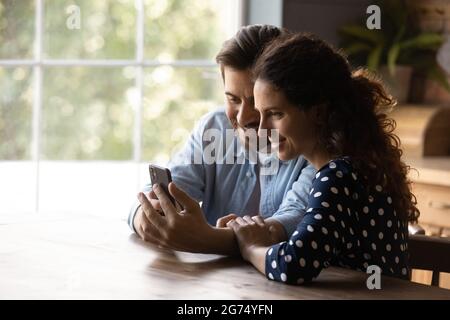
<point>221,241</point>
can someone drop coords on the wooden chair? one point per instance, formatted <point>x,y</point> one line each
<point>429,253</point>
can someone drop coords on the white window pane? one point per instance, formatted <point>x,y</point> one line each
<point>105,189</point>
<point>17,187</point>
<point>88,113</point>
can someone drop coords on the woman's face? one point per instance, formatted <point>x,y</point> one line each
<point>295,127</point>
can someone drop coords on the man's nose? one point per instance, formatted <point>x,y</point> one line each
<point>247,116</point>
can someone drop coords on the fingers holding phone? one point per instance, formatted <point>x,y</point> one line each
<point>154,201</point>
<point>162,177</point>
<point>145,229</point>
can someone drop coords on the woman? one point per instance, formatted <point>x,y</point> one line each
<point>360,202</point>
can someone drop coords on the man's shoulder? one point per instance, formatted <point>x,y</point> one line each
<point>216,119</point>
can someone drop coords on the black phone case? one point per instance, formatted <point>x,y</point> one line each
<point>161,176</point>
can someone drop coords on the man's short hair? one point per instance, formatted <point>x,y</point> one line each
<point>241,51</point>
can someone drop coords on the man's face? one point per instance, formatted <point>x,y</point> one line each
<point>239,102</point>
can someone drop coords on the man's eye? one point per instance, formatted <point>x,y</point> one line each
<point>233,100</point>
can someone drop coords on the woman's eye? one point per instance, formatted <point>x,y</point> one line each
<point>276,114</point>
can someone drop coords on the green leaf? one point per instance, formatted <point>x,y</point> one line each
<point>400,34</point>
<point>357,48</point>
<point>439,75</point>
<point>423,41</point>
<point>362,33</point>
<point>373,60</point>
<point>394,12</point>
<point>392,56</point>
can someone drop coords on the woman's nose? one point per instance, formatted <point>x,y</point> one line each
<point>263,129</point>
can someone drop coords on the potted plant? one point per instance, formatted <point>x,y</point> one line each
<point>433,15</point>
<point>396,50</point>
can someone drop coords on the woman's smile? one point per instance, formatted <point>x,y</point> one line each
<point>277,145</point>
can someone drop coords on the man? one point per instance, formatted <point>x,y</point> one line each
<point>238,188</point>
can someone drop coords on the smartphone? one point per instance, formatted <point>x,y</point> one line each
<point>162,177</point>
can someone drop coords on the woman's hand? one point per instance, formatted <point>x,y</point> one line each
<point>222,222</point>
<point>252,234</point>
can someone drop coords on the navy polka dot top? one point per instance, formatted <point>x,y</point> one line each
<point>344,225</point>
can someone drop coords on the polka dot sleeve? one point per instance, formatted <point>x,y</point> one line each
<point>322,234</point>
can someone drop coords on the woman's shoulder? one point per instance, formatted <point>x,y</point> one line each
<point>336,175</point>
<point>339,168</point>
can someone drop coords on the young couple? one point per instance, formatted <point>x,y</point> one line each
<point>348,204</point>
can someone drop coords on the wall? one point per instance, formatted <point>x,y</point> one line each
<point>322,17</point>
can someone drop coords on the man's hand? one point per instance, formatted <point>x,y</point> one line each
<point>154,201</point>
<point>142,220</point>
<point>183,229</point>
<point>142,224</point>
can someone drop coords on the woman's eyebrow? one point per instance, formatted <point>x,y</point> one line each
<point>269,108</point>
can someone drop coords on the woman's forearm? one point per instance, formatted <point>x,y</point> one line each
<point>257,257</point>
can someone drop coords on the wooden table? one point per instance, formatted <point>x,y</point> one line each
<point>44,257</point>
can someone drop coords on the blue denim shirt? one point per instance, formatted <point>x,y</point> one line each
<point>227,188</point>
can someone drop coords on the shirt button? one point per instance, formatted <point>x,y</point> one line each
<point>249,174</point>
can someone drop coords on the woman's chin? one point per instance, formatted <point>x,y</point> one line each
<point>285,153</point>
<point>285,156</point>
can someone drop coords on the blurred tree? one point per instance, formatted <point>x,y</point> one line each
<point>15,113</point>
<point>175,98</point>
<point>16,29</point>
<point>183,29</point>
<point>16,42</point>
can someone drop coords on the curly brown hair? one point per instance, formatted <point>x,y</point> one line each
<point>354,122</point>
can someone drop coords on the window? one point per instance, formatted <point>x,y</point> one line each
<point>94,90</point>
